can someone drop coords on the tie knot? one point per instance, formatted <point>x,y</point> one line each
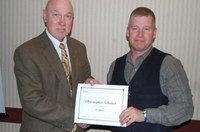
<point>62,46</point>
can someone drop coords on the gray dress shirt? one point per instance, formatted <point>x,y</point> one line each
<point>174,84</point>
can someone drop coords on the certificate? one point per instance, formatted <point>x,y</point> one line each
<point>100,104</point>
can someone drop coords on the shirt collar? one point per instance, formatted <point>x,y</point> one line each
<point>55,42</point>
<point>142,57</point>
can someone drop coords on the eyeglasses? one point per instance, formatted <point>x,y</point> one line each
<point>56,15</point>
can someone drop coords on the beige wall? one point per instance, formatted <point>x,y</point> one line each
<point>101,25</point>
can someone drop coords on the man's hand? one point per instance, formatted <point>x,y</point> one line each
<point>92,81</point>
<point>131,115</point>
<point>83,126</point>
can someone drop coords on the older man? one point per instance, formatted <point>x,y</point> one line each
<point>47,90</point>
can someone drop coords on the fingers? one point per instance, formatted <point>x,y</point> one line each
<point>130,115</point>
<point>92,81</point>
<point>83,126</point>
<point>129,120</point>
<point>126,119</point>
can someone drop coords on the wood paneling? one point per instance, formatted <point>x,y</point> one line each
<point>15,116</point>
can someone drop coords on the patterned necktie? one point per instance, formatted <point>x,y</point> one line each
<point>65,62</point>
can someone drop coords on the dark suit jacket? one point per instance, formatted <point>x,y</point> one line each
<point>42,84</point>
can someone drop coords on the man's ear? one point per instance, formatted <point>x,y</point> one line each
<point>155,32</point>
<point>44,15</point>
<point>127,33</point>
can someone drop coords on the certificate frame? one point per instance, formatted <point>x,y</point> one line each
<point>100,104</point>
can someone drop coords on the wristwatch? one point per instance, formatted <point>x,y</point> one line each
<point>145,115</point>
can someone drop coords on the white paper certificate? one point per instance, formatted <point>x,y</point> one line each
<point>100,104</point>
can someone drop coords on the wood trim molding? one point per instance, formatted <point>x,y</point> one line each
<point>190,126</point>
<point>14,115</point>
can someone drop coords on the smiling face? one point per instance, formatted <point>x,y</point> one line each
<point>58,17</point>
<point>141,33</point>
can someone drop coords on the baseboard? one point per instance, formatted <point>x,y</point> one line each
<point>14,115</point>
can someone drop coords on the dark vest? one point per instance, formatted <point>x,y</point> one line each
<point>144,89</point>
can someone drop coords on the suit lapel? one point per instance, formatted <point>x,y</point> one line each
<point>53,59</point>
<point>74,62</point>
<point>72,59</point>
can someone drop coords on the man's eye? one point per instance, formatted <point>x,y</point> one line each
<point>55,14</point>
<point>134,28</point>
<point>147,29</point>
<point>68,16</point>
